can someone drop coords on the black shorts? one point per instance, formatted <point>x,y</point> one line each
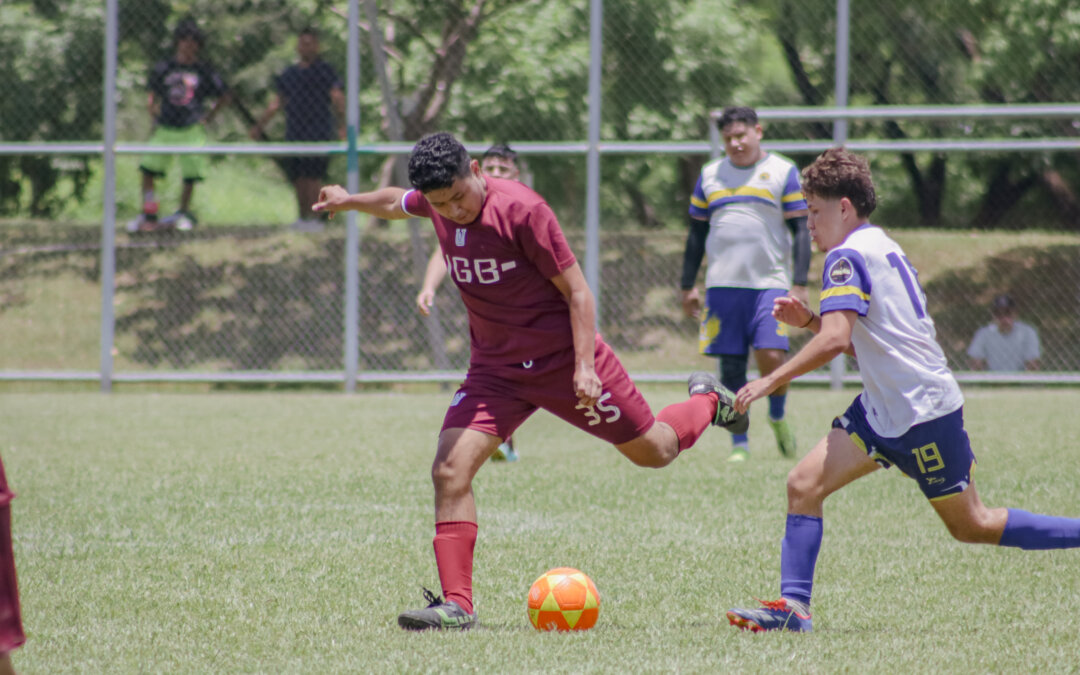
<point>306,167</point>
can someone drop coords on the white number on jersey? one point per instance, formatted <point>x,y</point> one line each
<point>613,413</point>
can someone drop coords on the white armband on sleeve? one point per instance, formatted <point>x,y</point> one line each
<point>405,197</point>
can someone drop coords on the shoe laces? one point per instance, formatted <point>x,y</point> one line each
<point>432,599</point>
<point>783,605</point>
<point>780,604</point>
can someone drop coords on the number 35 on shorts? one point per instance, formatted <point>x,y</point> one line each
<point>601,412</point>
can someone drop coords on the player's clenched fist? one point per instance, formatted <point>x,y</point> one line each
<point>332,198</point>
<point>791,311</point>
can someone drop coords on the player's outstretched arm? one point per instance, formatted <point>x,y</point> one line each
<point>383,203</point>
<point>833,338</point>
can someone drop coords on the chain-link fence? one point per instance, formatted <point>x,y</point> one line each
<point>258,284</point>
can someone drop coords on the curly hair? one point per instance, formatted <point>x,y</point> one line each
<point>838,173</point>
<point>436,161</point>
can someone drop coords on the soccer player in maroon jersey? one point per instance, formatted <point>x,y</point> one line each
<point>11,629</point>
<point>498,161</point>
<point>534,345</point>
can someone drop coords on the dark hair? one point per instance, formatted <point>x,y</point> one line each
<point>1002,305</point>
<point>309,30</point>
<point>188,29</point>
<point>733,113</point>
<point>436,161</point>
<point>501,150</point>
<point>839,173</point>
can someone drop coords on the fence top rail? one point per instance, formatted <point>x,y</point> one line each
<point>902,112</point>
<point>571,148</point>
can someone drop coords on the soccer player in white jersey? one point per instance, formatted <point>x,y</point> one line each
<point>748,213</point>
<point>910,412</point>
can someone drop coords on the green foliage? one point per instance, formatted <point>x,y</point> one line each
<point>51,81</point>
<point>517,71</point>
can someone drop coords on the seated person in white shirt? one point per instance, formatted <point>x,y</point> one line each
<point>1006,344</point>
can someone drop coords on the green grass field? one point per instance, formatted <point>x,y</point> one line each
<point>283,533</point>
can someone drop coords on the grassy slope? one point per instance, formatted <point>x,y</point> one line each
<point>177,295</point>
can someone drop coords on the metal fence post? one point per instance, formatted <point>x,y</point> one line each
<point>592,164</point>
<point>840,133</point>
<point>108,223</point>
<point>352,230</point>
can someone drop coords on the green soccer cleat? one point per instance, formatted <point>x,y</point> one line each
<point>739,453</point>
<point>505,452</point>
<point>438,615</point>
<point>703,382</point>
<point>785,438</point>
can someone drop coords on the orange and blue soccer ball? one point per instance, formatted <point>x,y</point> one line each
<point>563,599</point>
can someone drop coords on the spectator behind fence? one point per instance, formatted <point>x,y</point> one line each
<point>178,89</point>
<point>1006,344</point>
<point>498,161</point>
<point>748,215</point>
<point>307,90</point>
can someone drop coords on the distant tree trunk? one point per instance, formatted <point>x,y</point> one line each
<point>1002,193</point>
<point>643,211</point>
<point>1064,197</point>
<point>810,94</point>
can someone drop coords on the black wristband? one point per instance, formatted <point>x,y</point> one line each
<point>807,324</point>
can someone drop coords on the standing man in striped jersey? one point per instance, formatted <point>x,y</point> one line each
<point>748,213</point>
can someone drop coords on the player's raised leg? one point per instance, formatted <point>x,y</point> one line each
<point>680,425</point>
<point>460,455</point>
<point>969,520</point>
<point>833,463</point>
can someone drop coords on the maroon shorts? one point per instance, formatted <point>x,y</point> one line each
<point>11,630</point>
<point>497,399</point>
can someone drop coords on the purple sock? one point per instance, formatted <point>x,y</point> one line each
<point>798,555</point>
<point>1036,532</point>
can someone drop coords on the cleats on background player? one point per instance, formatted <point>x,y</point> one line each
<point>785,438</point>
<point>779,614</point>
<point>438,615</point>
<point>704,382</point>
<point>739,453</point>
<point>505,452</point>
<point>181,220</point>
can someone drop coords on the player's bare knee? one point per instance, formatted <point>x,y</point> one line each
<point>802,487</point>
<point>974,531</point>
<point>963,532</point>
<point>651,460</point>
<point>447,478</point>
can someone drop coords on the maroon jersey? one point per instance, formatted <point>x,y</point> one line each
<point>502,263</point>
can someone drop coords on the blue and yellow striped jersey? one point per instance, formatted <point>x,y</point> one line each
<point>749,244</point>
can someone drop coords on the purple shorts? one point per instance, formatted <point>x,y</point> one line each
<point>497,399</point>
<point>736,319</point>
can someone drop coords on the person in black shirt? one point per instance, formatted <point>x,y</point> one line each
<point>307,90</point>
<point>178,90</point>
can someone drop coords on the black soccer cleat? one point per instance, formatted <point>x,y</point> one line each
<point>704,382</point>
<point>438,615</point>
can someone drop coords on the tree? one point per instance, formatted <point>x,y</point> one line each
<point>990,51</point>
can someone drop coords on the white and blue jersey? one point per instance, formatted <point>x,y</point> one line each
<point>906,380</point>
<point>749,243</point>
